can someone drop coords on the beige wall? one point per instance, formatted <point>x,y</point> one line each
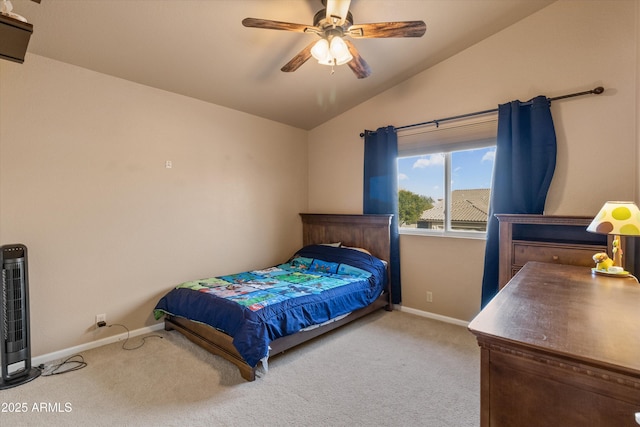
<point>567,47</point>
<point>109,229</point>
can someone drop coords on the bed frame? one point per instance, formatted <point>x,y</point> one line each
<point>371,232</point>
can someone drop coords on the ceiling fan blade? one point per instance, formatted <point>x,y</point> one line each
<point>302,57</point>
<point>388,29</point>
<point>337,9</point>
<point>278,25</point>
<point>358,65</point>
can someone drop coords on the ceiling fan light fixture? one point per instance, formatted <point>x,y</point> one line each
<point>320,51</point>
<point>331,53</point>
<point>340,51</point>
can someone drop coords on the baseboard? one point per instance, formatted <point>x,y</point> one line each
<point>431,315</point>
<point>61,354</point>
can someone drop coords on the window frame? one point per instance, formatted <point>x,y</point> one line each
<point>447,151</point>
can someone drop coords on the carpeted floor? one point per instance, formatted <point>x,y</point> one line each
<point>387,369</point>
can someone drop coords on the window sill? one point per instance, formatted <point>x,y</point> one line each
<point>447,234</point>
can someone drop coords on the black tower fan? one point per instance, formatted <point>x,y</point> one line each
<point>15,353</point>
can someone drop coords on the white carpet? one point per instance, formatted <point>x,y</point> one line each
<point>388,369</point>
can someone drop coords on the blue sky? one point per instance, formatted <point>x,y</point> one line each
<point>425,174</point>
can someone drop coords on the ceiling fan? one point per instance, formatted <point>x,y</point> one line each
<point>332,25</point>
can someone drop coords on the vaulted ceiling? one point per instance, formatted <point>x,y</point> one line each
<point>199,48</point>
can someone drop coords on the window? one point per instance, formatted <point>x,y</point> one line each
<point>445,188</point>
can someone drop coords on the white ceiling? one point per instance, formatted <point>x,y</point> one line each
<point>199,48</point>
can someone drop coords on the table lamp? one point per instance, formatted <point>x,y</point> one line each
<point>618,219</point>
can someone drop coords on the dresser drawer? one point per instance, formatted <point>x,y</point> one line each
<point>524,252</point>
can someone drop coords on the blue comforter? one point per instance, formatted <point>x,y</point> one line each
<point>256,307</point>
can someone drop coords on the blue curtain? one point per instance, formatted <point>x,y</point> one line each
<point>524,165</point>
<point>381,190</point>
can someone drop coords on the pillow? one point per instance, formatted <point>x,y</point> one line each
<point>358,249</point>
<point>337,244</point>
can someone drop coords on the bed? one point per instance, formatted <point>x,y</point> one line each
<point>351,249</point>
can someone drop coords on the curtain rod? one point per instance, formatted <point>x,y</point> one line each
<point>597,91</point>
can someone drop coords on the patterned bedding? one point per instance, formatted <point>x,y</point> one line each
<point>256,307</point>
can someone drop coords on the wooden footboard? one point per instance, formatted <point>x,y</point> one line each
<point>212,340</point>
<point>370,232</point>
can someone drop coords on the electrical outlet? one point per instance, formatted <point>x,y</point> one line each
<point>429,296</point>
<point>101,320</point>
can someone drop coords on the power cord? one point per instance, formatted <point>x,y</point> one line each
<point>124,347</point>
<point>57,369</point>
<point>76,362</point>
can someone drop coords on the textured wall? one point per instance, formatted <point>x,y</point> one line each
<point>109,229</point>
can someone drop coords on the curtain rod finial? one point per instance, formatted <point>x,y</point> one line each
<point>598,90</point>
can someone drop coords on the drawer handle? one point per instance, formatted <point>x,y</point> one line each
<point>638,417</point>
<point>556,257</point>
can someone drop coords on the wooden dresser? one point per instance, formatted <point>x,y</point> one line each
<point>560,346</point>
<point>545,238</point>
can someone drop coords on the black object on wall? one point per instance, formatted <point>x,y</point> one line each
<point>15,351</point>
<point>14,38</point>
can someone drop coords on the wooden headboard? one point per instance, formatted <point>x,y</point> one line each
<point>371,232</point>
